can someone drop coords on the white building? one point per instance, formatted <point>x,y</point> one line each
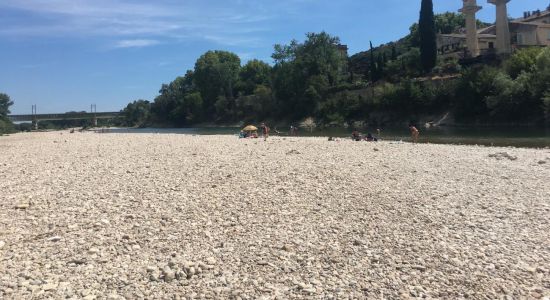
<point>502,37</point>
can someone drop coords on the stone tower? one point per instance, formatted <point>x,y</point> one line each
<point>469,10</point>
<point>502,27</point>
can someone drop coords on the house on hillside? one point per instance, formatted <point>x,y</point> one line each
<point>533,29</point>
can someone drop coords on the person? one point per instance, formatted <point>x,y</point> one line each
<point>356,136</point>
<point>265,131</point>
<point>370,138</point>
<point>414,133</point>
<point>293,130</point>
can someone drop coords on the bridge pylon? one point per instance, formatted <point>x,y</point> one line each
<point>34,118</point>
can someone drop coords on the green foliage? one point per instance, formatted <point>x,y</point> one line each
<point>474,86</point>
<point>5,125</point>
<point>304,72</point>
<point>341,108</point>
<point>426,29</point>
<point>546,103</point>
<point>522,61</point>
<point>307,80</point>
<point>174,105</point>
<point>216,74</point>
<point>137,113</point>
<point>253,74</point>
<point>5,103</point>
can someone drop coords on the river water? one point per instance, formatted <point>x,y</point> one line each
<point>488,136</point>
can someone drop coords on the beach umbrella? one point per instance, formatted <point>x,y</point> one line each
<point>250,128</point>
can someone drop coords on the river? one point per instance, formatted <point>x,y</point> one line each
<point>488,136</point>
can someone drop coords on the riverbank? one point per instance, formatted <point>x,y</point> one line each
<point>90,216</point>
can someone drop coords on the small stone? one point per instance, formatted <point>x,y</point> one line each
<point>22,206</point>
<point>151,269</point>
<point>136,247</point>
<point>419,268</point>
<point>210,260</point>
<point>154,276</point>
<point>169,275</point>
<point>93,251</point>
<point>2,244</point>
<point>49,287</point>
<point>54,239</point>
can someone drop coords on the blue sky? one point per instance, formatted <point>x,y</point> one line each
<point>64,55</point>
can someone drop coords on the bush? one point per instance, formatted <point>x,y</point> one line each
<point>6,126</point>
<point>522,61</point>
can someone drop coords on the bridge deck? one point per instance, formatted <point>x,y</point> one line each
<point>65,116</point>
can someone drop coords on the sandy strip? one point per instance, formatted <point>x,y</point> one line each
<point>133,216</point>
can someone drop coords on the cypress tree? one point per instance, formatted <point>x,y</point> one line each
<point>426,28</point>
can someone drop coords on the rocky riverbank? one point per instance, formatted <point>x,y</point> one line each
<point>131,216</point>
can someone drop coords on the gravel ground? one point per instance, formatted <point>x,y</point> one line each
<point>138,216</point>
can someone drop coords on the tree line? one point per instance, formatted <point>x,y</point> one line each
<point>392,83</point>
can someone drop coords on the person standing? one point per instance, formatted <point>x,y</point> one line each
<point>265,131</point>
<point>414,133</point>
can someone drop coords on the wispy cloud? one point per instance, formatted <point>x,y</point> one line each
<point>140,23</point>
<point>135,43</point>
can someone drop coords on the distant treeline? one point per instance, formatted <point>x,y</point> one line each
<point>315,78</point>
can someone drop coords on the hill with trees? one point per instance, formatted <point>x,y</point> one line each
<point>388,84</point>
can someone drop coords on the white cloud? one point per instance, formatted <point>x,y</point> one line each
<point>135,43</point>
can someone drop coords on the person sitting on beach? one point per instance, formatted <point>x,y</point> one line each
<point>356,136</point>
<point>293,130</point>
<point>414,133</point>
<point>370,138</point>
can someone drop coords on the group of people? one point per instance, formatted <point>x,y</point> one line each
<point>356,136</point>
<point>253,134</point>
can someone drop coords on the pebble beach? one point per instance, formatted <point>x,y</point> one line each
<point>165,216</point>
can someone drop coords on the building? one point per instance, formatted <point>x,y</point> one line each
<point>533,29</point>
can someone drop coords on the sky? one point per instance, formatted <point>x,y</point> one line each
<point>64,55</point>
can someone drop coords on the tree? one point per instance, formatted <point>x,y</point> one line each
<point>216,73</point>
<point>304,72</point>
<point>5,103</point>
<point>393,52</point>
<point>137,113</point>
<point>428,44</point>
<point>254,73</point>
<point>5,125</point>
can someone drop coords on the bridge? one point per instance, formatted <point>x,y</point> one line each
<point>35,118</point>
